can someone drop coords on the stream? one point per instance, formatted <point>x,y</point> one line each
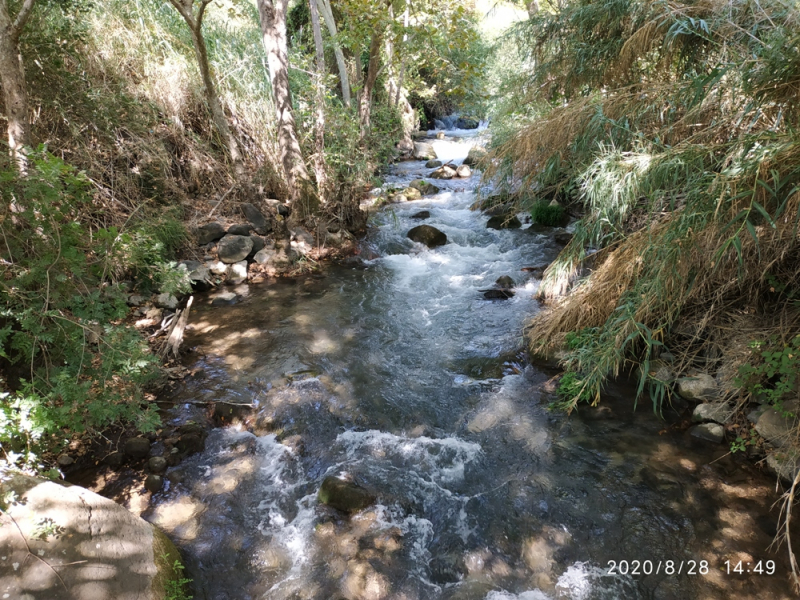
<point>399,375</point>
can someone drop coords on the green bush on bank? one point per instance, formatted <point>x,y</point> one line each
<point>68,363</point>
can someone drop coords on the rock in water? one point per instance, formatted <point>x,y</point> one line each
<point>505,282</point>
<point>445,172</point>
<point>344,495</point>
<point>113,553</point>
<point>711,432</point>
<point>210,232</point>
<point>234,248</point>
<point>497,294</point>
<point>506,221</point>
<point>467,123</point>
<point>463,171</point>
<point>433,164</point>
<point>424,151</point>
<point>423,214</point>
<point>425,188</point>
<point>137,447</point>
<point>474,156</point>
<point>430,236</point>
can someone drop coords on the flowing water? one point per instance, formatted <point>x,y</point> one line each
<point>399,375</point>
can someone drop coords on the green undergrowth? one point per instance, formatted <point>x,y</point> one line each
<point>68,362</point>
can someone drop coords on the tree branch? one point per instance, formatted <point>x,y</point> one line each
<point>22,17</point>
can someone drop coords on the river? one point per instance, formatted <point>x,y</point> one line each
<point>399,375</point>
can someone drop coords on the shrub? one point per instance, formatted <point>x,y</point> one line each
<point>544,213</point>
<point>67,361</point>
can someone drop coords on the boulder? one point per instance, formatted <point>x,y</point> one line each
<point>718,412</point>
<point>430,236</point>
<point>467,123</point>
<point>258,244</point>
<point>474,156</point>
<point>463,171</point>
<point>345,496</point>
<point>217,267</point>
<point>240,229</point>
<point>660,370</point>
<point>195,270</point>
<point>432,164</point>
<point>424,187</point>
<point>136,300</point>
<point>167,301</point>
<point>777,429</point>
<point>412,193</point>
<point>210,232</point>
<point>505,282</point>
<point>445,172</point>
<point>96,548</point>
<point>224,298</point>
<point>423,214</point>
<point>115,459</point>
<point>424,151</point>
<point>440,135</point>
<point>137,447</point>
<point>698,388</point>
<point>153,483</point>
<point>711,432</point>
<point>157,464</point>
<point>234,248</point>
<point>256,219</point>
<point>237,273</point>
<point>784,463</point>
<point>506,221</point>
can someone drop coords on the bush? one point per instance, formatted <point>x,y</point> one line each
<point>67,361</point>
<point>544,213</point>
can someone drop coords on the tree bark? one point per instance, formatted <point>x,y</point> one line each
<point>195,23</point>
<point>319,129</point>
<point>365,102</point>
<point>12,77</point>
<point>272,15</point>
<point>327,16</point>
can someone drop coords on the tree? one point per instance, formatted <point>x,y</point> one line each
<point>365,100</point>
<point>319,158</point>
<point>272,15</point>
<point>12,77</point>
<point>327,15</point>
<point>195,23</point>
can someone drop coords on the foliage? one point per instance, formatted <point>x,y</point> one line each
<point>69,362</point>
<point>175,588</point>
<point>545,214</point>
<point>773,372</point>
<point>674,126</point>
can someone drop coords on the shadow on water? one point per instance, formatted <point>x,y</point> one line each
<point>402,378</point>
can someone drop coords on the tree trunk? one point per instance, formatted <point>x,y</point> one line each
<point>327,16</point>
<point>406,16</point>
<point>319,158</point>
<point>12,77</point>
<point>195,23</point>
<point>272,15</point>
<point>365,102</point>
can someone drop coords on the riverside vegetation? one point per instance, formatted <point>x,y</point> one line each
<point>668,129</point>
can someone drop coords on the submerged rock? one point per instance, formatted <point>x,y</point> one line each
<point>430,236</point>
<point>423,214</point>
<point>111,553</point>
<point>233,248</point>
<point>345,496</point>
<point>505,282</point>
<point>497,294</point>
<point>467,123</point>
